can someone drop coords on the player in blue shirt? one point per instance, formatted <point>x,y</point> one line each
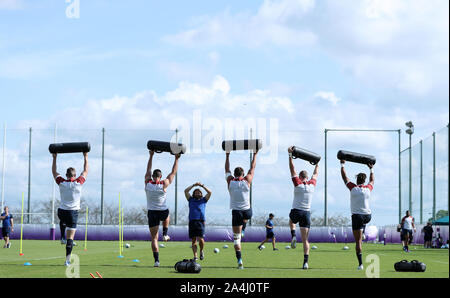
<point>7,226</point>
<point>197,204</point>
<point>269,232</point>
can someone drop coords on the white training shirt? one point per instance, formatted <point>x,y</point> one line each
<point>407,223</point>
<point>156,196</point>
<point>70,191</point>
<point>359,198</point>
<point>303,193</point>
<point>239,190</point>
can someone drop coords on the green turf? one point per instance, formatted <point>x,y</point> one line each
<point>329,260</point>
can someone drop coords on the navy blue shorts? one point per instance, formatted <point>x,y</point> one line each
<point>155,216</point>
<point>302,217</point>
<point>6,231</point>
<point>410,231</point>
<point>68,218</point>
<point>359,221</point>
<point>270,235</point>
<point>196,228</point>
<point>238,216</point>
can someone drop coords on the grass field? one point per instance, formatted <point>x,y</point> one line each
<point>327,261</point>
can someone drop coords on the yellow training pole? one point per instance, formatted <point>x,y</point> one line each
<point>21,228</point>
<point>85,231</point>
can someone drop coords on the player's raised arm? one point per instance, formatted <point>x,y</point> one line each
<point>291,163</point>
<point>251,172</point>
<point>172,174</point>
<point>208,191</point>
<point>316,172</point>
<point>148,173</point>
<point>371,178</point>
<point>187,191</point>
<point>54,171</point>
<point>228,175</point>
<point>86,165</point>
<point>343,174</point>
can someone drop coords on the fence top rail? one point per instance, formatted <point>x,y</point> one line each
<point>363,130</point>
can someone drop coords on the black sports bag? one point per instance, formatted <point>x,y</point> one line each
<point>413,266</point>
<point>188,266</point>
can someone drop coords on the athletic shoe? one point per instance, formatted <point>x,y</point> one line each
<point>166,237</point>
<point>63,241</point>
<point>259,247</point>
<point>156,264</point>
<point>240,264</point>
<point>195,259</point>
<point>360,267</point>
<point>294,242</point>
<point>275,249</point>
<point>202,255</point>
<point>363,236</point>
<point>305,266</point>
<point>8,245</point>
<point>66,263</point>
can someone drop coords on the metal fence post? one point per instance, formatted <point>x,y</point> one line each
<point>176,184</point>
<point>325,215</point>
<point>3,168</point>
<point>434,176</point>
<point>399,176</point>
<point>103,174</point>
<point>29,178</point>
<point>421,181</point>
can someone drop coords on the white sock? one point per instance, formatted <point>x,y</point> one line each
<point>68,258</point>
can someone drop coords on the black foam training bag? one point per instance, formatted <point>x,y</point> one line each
<point>304,154</point>
<point>356,157</point>
<point>188,266</point>
<point>233,145</point>
<point>69,147</point>
<point>172,148</point>
<point>413,266</point>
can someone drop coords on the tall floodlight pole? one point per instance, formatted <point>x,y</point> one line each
<point>3,168</point>
<point>434,176</point>
<point>176,183</point>
<point>410,132</point>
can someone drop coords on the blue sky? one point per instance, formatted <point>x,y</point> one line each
<point>309,64</point>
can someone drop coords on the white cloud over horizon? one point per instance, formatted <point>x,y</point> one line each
<point>400,44</point>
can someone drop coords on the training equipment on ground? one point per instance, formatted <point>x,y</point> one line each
<point>27,264</point>
<point>287,247</point>
<point>162,245</point>
<point>136,261</point>
<point>127,245</point>
<point>188,266</point>
<point>356,157</point>
<point>69,147</point>
<point>313,247</point>
<point>172,148</point>
<point>413,266</point>
<point>345,248</point>
<point>225,246</point>
<point>216,250</point>
<point>304,154</point>
<point>233,145</point>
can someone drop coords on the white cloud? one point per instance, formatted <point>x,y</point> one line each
<point>328,96</point>
<point>400,44</point>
